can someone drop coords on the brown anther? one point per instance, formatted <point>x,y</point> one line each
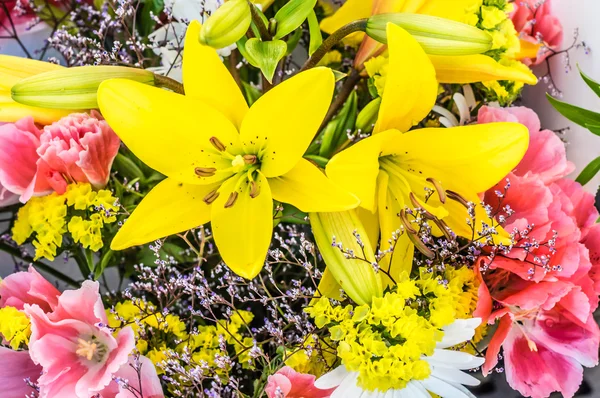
<point>231,200</point>
<point>441,224</point>
<point>217,144</point>
<point>421,246</point>
<point>250,159</point>
<point>404,220</point>
<point>254,189</point>
<point>458,198</point>
<point>438,188</point>
<point>205,171</point>
<point>211,197</point>
<point>414,201</point>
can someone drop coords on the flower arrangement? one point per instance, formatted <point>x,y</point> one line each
<point>290,198</point>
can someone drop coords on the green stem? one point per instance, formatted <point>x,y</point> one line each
<point>337,36</point>
<point>167,82</point>
<point>14,251</point>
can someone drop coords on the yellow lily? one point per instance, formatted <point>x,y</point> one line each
<point>224,163</point>
<point>389,170</point>
<point>12,71</point>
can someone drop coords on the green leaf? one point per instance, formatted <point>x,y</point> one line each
<point>589,172</point>
<point>293,41</point>
<point>319,160</point>
<point>292,15</point>
<point>251,93</point>
<point>595,86</point>
<point>146,22</point>
<point>578,115</point>
<point>104,261</point>
<point>336,131</point>
<point>241,45</point>
<point>339,75</point>
<point>593,128</point>
<point>267,55</point>
<point>127,168</point>
<point>316,39</point>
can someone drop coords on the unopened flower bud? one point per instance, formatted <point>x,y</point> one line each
<point>72,88</point>
<point>437,36</point>
<point>226,25</point>
<point>368,116</point>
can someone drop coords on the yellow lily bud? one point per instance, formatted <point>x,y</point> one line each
<point>226,25</point>
<point>344,244</point>
<point>12,71</point>
<point>365,122</point>
<point>437,36</point>
<point>72,88</point>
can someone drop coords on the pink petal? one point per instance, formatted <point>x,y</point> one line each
<point>151,387</point>
<point>15,367</point>
<point>28,288</point>
<point>493,350</point>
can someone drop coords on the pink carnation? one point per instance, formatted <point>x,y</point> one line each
<point>548,282</point>
<point>287,383</point>
<point>540,30</point>
<point>77,148</point>
<point>30,287</point>
<point>77,351</point>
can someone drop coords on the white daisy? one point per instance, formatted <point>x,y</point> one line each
<point>446,380</point>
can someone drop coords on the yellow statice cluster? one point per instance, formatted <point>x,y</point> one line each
<point>160,337</point>
<point>385,341</point>
<point>15,327</point>
<point>315,356</point>
<point>47,218</point>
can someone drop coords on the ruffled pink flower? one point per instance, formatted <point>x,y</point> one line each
<point>287,383</point>
<point>539,29</point>
<point>77,148</point>
<point>77,351</point>
<point>15,368</point>
<point>30,287</point>
<point>548,283</point>
<point>18,155</point>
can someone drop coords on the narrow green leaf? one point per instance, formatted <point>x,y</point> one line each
<point>316,39</point>
<point>319,160</point>
<point>251,93</point>
<point>595,86</point>
<point>267,54</point>
<point>127,168</point>
<point>293,40</point>
<point>593,128</point>
<point>589,172</point>
<point>241,45</point>
<point>339,75</point>
<point>336,132</point>
<point>106,258</point>
<point>291,16</point>
<point>578,115</point>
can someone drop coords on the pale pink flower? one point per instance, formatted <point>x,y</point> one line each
<point>15,368</point>
<point>287,383</point>
<point>77,351</point>
<point>138,374</point>
<point>7,198</point>
<point>29,287</point>
<point>539,29</point>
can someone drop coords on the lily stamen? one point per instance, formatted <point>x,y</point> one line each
<point>458,198</point>
<point>250,159</point>
<point>438,188</point>
<point>254,189</point>
<point>217,144</point>
<point>211,197</point>
<point>231,200</point>
<point>205,171</point>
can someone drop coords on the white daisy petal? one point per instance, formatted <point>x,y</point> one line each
<point>415,391</point>
<point>332,379</point>
<point>418,386</point>
<point>348,384</point>
<point>442,388</point>
<point>455,359</point>
<point>454,375</point>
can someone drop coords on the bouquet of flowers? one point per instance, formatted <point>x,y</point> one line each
<point>289,198</point>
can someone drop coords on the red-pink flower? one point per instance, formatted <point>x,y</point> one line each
<point>540,30</point>
<point>29,287</point>
<point>287,383</point>
<point>77,148</point>
<point>545,289</point>
<point>77,351</point>
<point>138,374</point>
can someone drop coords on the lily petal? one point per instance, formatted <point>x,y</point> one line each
<point>206,78</point>
<point>14,69</point>
<point>11,111</point>
<point>282,123</point>
<point>449,9</point>
<point>388,208</point>
<point>411,86</point>
<point>350,11</point>
<point>356,168</point>
<point>169,132</point>
<point>171,207</point>
<point>329,287</point>
<point>476,68</point>
<point>308,189</point>
<point>473,157</point>
<point>243,231</point>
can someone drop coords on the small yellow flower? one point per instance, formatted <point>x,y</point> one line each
<point>15,327</point>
